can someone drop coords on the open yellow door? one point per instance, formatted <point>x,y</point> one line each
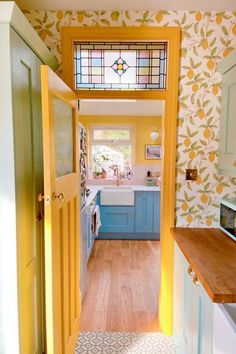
<point>61,181</point>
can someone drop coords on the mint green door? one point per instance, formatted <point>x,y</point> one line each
<point>227,152</point>
<point>29,183</point>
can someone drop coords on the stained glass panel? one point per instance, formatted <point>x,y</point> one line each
<point>120,66</point>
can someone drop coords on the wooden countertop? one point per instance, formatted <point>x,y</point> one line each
<point>212,255</point>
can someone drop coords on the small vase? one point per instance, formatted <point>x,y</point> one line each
<point>103,175</point>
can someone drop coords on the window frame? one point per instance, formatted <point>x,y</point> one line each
<point>93,141</point>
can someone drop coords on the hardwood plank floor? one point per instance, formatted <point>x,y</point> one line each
<point>123,287</point>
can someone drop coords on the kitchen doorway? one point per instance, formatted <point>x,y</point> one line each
<point>171,35</point>
<point>120,270</point>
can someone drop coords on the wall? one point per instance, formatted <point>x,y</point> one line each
<point>207,37</point>
<point>142,127</point>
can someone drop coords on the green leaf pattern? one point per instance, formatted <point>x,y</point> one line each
<point>207,37</point>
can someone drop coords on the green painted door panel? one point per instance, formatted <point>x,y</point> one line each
<point>227,148</point>
<point>29,183</point>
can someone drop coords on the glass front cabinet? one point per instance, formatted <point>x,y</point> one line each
<point>227,149</point>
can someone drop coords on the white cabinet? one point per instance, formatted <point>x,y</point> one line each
<point>227,148</point>
<point>224,329</point>
<point>193,310</point>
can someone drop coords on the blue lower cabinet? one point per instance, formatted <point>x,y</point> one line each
<point>141,221</point>
<point>144,211</point>
<point>117,219</point>
<point>156,212</point>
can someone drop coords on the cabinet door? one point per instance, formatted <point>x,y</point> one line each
<point>193,310</point>
<point>227,153</point>
<point>144,212</point>
<point>117,219</point>
<point>156,212</point>
<point>182,298</point>
<point>202,322</point>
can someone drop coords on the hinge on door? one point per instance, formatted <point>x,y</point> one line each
<point>78,102</point>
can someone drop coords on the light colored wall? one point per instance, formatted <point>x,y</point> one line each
<point>142,128</point>
<point>207,37</point>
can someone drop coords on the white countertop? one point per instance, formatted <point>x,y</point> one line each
<point>94,189</point>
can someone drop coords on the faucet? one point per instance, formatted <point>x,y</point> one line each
<point>118,177</point>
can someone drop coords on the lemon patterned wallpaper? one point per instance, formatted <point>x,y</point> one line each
<point>206,39</point>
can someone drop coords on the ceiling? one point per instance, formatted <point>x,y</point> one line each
<point>121,108</point>
<point>207,5</point>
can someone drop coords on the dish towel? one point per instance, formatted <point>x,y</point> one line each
<point>98,219</point>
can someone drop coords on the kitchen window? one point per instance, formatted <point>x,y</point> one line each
<point>111,149</point>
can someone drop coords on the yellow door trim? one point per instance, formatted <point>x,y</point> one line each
<point>170,96</point>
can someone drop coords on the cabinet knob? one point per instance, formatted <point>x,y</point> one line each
<point>190,271</point>
<point>195,280</point>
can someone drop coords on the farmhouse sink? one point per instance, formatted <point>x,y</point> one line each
<point>116,195</point>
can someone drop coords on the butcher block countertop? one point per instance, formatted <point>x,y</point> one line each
<point>212,255</point>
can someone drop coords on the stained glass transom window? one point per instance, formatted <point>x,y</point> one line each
<point>120,66</point>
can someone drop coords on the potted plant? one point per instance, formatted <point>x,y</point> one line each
<point>97,174</point>
<point>103,174</point>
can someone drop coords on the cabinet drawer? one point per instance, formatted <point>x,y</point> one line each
<point>117,219</point>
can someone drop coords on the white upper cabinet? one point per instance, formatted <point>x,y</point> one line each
<point>227,151</point>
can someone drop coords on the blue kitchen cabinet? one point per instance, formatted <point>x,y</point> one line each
<point>156,212</point>
<point>193,310</point>
<point>141,221</point>
<point>144,211</point>
<point>117,219</point>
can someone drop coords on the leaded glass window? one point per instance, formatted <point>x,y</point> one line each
<point>120,66</point>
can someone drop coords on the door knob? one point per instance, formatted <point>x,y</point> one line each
<point>195,280</point>
<point>59,196</point>
<point>40,197</point>
<point>190,271</point>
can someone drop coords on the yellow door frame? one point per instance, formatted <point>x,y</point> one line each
<point>170,97</point>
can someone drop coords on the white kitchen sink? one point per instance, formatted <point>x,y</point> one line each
<point>116,195</point>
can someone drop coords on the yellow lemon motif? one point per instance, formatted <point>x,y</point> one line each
<point>190,74</point>
<point>218,19</point>
<point>189,218</point>
<point>215,90</point>
<point>198,180</point>
<point>184,206</point>
<point>210,64</point>
<point>192,154</point>
<point>159,17</point>
<point>198,16</point>
<point>59,15</point>
<point>219,188</point>
<point>207,133</point>
<point>80,17</point>
<point>226,52</point>
<point>204,198</point>
<point>209,221</point>
<point>211,156</point>
<point>195,87</point>
<point>204,44</point>
<point>201,114</point>
<point>43,35</point>
<point>187,142</point>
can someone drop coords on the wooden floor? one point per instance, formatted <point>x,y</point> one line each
<point>123,286</point>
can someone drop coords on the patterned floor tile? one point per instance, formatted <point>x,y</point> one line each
<point>124,343</point>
